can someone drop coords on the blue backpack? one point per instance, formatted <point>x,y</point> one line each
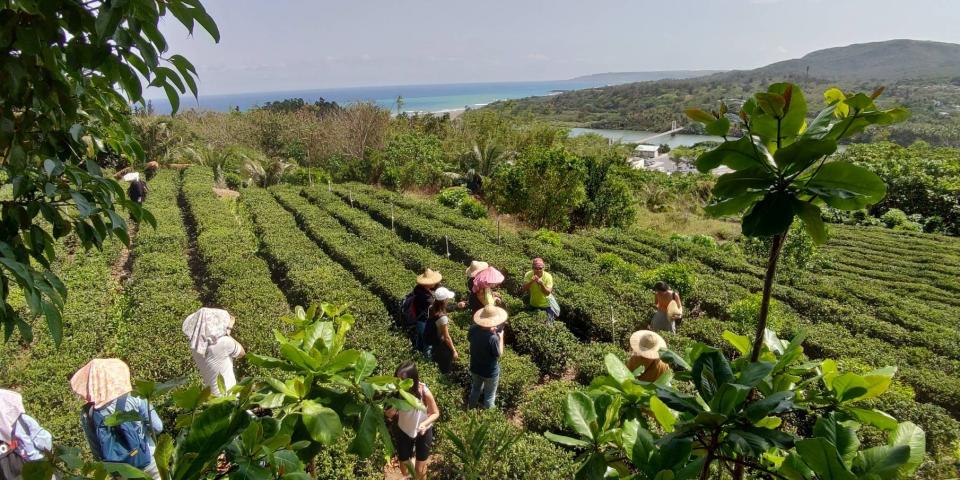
<point>121,444</point>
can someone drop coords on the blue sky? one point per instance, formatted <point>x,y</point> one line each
<point>298,44</point>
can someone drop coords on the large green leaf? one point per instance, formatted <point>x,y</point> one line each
<point>776,403</point>
<point>882,462</point>
<point>753,373</point>
<point>710,371</point>
<point>874,417</point>
<point>750,180</point>
<point>322,422</point>
<point>843,437</point>
<point>565,440</point>
<point>728,398</point>
<point>662,413</point>
<point>209,433</point>
<point>822,457</point>
<point>799,155</point>
<point>737,154</point>
<point>849,387</point>
<point>617,369</point>
<point>812,220</point>
<point>913,437</point>
<point>878,381</point>
<point>732,205</point>
<point>679,401</point>
<point>770,216</point>
<point>594,468</point>
<point>740,342</point>
<point>580,414</point>
<point>847,186</point>
<point>366,434</point>
<point>637,443</point>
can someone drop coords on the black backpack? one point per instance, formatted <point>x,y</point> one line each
<point>409,316</point>
<point>11,463</point>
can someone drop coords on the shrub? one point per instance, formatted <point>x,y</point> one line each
<point>549,237</point>
<point>306,176</point>
<point>233,180</point>
<point>452,197</point>
<point>679,276</point>
<point>746,311</point>
<point>894,218</point>
<point>472,208</point>
<point>542,407</point>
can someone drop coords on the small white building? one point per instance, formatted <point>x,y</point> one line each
<point>646,151</point>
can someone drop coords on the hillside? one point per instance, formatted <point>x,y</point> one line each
<point>922,76</point>
<point>616,78</point>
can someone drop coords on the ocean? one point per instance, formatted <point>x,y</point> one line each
<point>416,98</point>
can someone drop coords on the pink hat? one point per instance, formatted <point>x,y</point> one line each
<point>538,263</point>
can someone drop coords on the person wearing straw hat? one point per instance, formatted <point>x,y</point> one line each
<point>486,347</point>
<point>212,348</point>
<point>415,308</point>
<point>437,331</point>
<point>104,384</point>
<point>669,308</point>
<point>473,300</point>
<point>645,347</point>
<point>20,434</point>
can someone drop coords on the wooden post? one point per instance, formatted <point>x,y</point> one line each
<point>613,325</point>
<point>446,240</point>
<point>329,187</point>
<point>394,230</point>
<point>498,230</point>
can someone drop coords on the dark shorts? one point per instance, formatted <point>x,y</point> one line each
<point>423,443</point>
<point>443,356</point>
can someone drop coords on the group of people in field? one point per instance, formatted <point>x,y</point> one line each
<point>105,387</point>
<point>104,384</point>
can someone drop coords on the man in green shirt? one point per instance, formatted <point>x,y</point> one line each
<point>540,285</point>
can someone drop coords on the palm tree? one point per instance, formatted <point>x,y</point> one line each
<point>484,160</point>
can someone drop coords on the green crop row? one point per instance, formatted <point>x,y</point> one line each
<point>160,291</point>
<point>233,275</point>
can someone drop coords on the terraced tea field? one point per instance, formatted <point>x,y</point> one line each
<point>883,298</point>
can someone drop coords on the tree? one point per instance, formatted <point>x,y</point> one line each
<point>69,71</point>
<point>782,166</point>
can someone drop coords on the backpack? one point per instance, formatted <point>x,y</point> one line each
<point>11,463</point>
<point>137,191</point>
<point>431,336</point>
<point>123,443</point>
<point>409,316</point>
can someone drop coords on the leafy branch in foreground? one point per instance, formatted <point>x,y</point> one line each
<point>69,71</point>
<point>782,167</point>
<point>737,418</point>
<point>321,392</point>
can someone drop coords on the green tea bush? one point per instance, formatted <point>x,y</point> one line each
<point>549,346</point>
<point>542,407</point>
<point>452,197</point>
<point>472,208</point>
<point>746,311</point>
<point>531,457</point>
<point>548,237</point>
<point>679,276</point>
<point>305,176</point>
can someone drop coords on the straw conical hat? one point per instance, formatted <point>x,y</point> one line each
<point>429,277</point>
<point>647,344</point>
<point>476,267</point>
<point>490,316</point>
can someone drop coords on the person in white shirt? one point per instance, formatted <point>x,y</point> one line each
<point>212,347</point>
<point>416,426</point>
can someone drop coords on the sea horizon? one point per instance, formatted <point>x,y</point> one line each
<point>434,98</point>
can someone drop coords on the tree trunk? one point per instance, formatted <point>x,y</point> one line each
<point>775,247</point>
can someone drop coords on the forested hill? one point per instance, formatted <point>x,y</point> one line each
<point>922,76</point>
<point>616,78</point>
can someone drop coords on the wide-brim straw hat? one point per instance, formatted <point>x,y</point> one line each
<point>647,344</point>
<point>429,277</point>
<point>490,316</point>
<point>476,267</point>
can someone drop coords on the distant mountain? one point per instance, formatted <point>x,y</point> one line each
<point>920,75</point>
<point>883,61</point>
<point>617,78</point>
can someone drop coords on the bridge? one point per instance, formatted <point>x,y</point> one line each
<point>674,128</point>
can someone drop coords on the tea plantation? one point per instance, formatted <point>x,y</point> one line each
<point>882,297</point>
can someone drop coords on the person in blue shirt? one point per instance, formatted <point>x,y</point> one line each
<point>104,383</point>
<point>21,431</point>
<point>486,348</point>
